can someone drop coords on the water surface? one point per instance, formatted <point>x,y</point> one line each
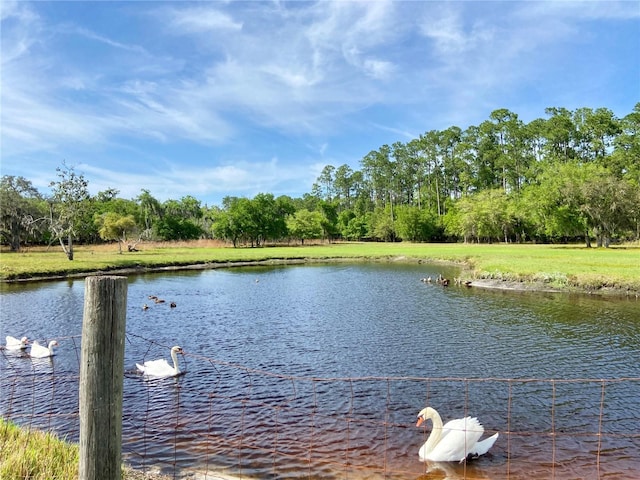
<point>319,371</point>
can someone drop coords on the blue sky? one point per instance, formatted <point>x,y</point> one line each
<point>211,99</point>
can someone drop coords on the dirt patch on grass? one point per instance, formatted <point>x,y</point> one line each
<point>514,286</point>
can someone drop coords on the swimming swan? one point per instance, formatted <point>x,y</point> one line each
<point>40,351</point>
<point>161,368</point>
<point>14,344</point>
<point>455,441</point>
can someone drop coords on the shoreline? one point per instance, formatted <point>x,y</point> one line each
<point>539,287</point>
<point>186,474</point>
<point>514,286</point>
<point>484,283</point>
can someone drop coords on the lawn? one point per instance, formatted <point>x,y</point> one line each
<point>564,266</point>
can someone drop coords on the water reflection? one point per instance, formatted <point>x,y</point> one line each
<point>318,372</point>
<point>454,471</point>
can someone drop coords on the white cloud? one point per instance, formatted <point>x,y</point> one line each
<point>19,10</point>
<point>31,122</point>
<point>579,10</point>
<point>18,23</point>
<point>38,114</point>
<point>292,77</point>
<point>88,34</point>
<point>446,31</point>
<point>200,19</point>
<point>354,30</point>
<point>169,180</point>
<point>378,69</point>
<point>216,76</point>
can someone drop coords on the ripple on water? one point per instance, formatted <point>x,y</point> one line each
<point>275,384</point>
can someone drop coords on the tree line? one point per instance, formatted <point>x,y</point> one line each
<point>574,175</point>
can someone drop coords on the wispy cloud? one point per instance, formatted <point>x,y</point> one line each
<point>207,19</point>
<point>168,180</point>
<point>243,83</point>
<point>71,29</point>
<point>570,11</point>
<point>294,80</point>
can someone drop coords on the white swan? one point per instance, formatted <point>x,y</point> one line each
<point>161,368</point>
<point>455,441</point>
<point>40,351</point>
<point>14,344</point>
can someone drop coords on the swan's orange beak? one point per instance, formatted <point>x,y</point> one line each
<point>420,421</point>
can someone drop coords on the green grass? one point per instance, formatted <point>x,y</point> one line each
<point>35,455</point>
<point>578,267</point>
<point>28,454</point>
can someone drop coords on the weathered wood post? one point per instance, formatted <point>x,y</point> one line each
<point>101,377</point>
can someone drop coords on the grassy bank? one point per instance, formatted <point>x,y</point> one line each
<point>570,267</point>
<point>37,455</point>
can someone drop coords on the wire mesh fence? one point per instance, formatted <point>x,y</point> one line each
<point>220,418</point>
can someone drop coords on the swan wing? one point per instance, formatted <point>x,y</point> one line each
<point>157,368</point>
<point>14,343</point>
<point>156,364</point>
<point>39,351</point>
<point>483,447</point>
<point>458,440</point>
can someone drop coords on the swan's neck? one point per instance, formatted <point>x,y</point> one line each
<point>436,432</point>
<point>174,356</point>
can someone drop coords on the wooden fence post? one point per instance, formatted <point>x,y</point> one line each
<point>101,377</point>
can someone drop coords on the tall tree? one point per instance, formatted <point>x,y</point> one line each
<point>151,210</point>
<point>68,202</point>
<point>428,144</point>
<point>509,141</point>
<point>449,146</point>
<point>486,153</point>
<point>378,171</point>
<point>343,185</point>
<point>595,131</point>
<point>325,182</point>
<point>416,169</point>
<point>560,134</point>
<point>625,159</point>
<point>20,210</point>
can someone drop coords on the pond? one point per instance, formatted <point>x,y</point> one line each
<point>319,371</point>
